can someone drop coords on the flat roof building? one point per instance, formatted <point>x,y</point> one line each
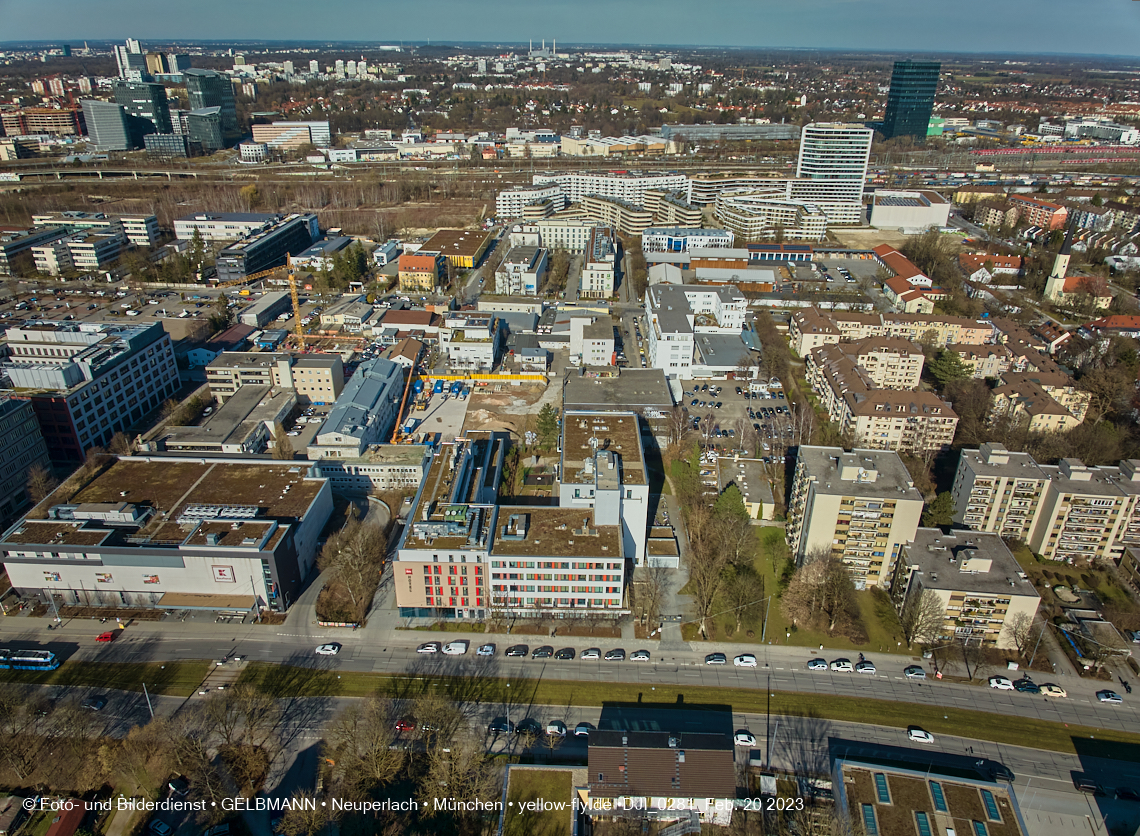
<point>222,226</point>
<point>462,247</point>
<point>21,448</point>
<point>268,248</point>
<point>365,412</point>
<point>88,381</point>
<point>314,378</point>
<point>174,533</point>
<point>860,506</point>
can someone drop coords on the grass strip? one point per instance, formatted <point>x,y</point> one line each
<point>287,681</point>
<point>173,679</point>
<point>528,785</point>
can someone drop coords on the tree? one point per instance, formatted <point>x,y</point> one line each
<point>947,367</point>
<point>121,444</point>
<point>1023,630</point>
<point>360,743</point>
<point>40,483</point>
<point>821,593</point>
<point>251,196</point>
<point>355,556</point>
<point>301,819</point>
<point>547,426</point>
<point>940,511</point>
<point>707,561</point>
<point>923,618</point>
<point>743,591</point>
<point>282,446</point>
<point>730,504</point>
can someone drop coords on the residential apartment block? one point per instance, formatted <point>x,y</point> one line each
<point>1068,511</point>
<point>888,362</point>
<point>471,341</point>
<point>810,328</point>
<point>628,185</point>
<point>917,422</point>
<point>530,202</point>
<point>626,218</point>
<point>314,378</point>
<point>421,271</point>
<point>977,580</point>
<point>1037,212</point>
<point>599,262</point>
<point>81,252</point>
<point>88,381</point>
<point>683,240</point>
<point>861,507</point>
<point>522,271</point>
<point>764,215</point>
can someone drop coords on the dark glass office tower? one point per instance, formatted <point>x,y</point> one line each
<point>911,99</point>
<point>145,100</point>
<point>207,88</point>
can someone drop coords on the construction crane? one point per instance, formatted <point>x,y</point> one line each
<point>296,305</point>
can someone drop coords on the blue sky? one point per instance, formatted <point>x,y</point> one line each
<point>1105,27</point>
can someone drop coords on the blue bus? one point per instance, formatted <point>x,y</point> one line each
<point>28,660</point>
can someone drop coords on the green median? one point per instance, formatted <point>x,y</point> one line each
<point>284,681</point>
<point>173,679</point>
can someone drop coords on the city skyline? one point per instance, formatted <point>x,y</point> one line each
<point>1104,27</point>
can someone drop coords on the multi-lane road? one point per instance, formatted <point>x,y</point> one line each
<point>783,669</point>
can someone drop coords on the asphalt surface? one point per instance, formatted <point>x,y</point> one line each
<point>673,664</point>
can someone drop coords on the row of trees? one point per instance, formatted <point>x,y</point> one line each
<point>354,558</point>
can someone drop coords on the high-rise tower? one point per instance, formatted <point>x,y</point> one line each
<point>911,99</point>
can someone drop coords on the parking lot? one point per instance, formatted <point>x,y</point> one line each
<point>729,421</point>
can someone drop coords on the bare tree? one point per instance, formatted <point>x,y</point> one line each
<point>922,618</point>
<point>40,483</point>
<point>121,444</point>
<point>282,446</point>
<point>707,562</point>
<point>360,742</point>
<point>822,593</point>
<point>356,557</point>
<point>302,820</point>
<point>1024,631</point>
<point>462,772</point>
<point>743,591</point>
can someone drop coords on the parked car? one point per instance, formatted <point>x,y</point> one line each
<point>1026,686</point>
<point>716,659</point>
<point>544,652</point>
<point>744,660</point>
<point>564,653</point>
<point>1110,697</point>
<point>843,666</point>
<point>616,655</point>
<point>1053,691</point>
<point>914,672</point>
<point>95,703</point>
<point>1001,683</point>
<point>501,725</point>
<point>817,664</point>
<point>456,648</point>
<point>744,738</point>
<point>529,726</point>
<point>556,728</point>
<point>405,724</point>
<point>428,647</point>
<point>159,828</point>
<point>517,650</point>
<point>485,650</point>
<point>639,656</point>
<point>865,667</point>
<point>590,654</point>
<point>109,636</point>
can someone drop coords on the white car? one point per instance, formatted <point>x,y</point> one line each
<point>583,730</point>
<point>744,738</point>
<point>817,665</point>
<point>865,667</point>
<point>914,672</point>
<point>1109,697</point>
<point>1053,691</point>
<point>428,647</point>
<point>919,735</point>
<point>591,654</point>
<point>1000,683</point>
<point>745,660</point>
<point>639,656</point>
<point>485,650</point>
<point>843,666</point>
<point>455,648</point>
<point>328,650</point>
<point>556,728</point>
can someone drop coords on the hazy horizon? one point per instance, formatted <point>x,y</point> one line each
<point>1104,28</point>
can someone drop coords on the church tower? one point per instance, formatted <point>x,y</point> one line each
<point>1055,286</point>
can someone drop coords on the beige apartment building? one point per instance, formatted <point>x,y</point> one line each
<point>1067,511</point>
<point>889,363</point>
<point>860,506</point>
<point>977,580</point>
<point>911,422</point>
<point>314,378</point>
<point>810,328</point>
<point>984,360</point>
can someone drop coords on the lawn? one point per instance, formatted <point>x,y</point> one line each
<point>771,558</point>
<point>552,786</point>
<point>174,679</point>
<point>284,681</point>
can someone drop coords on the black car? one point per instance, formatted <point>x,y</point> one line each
<point>95,703</point>
<point>517,650</point>
<point>1125,794</point>
<point>544,652</point>
<point>501,725</point>
<point>565,653</point>
<point>529,726</point>
<point>1026,686</point>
